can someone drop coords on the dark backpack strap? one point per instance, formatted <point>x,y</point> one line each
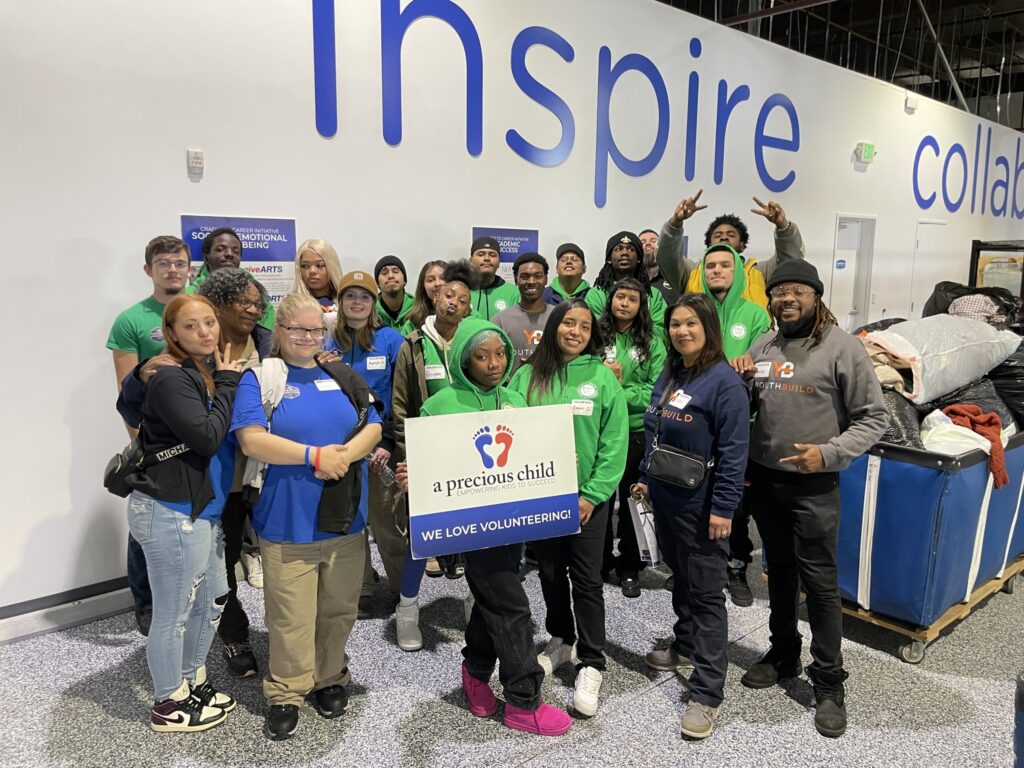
<point>356,390</point>
<point>412,376</point>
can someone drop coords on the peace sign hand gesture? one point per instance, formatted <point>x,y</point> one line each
<point>222,360</point>
<point>773,212</point>
<point>686,209</point>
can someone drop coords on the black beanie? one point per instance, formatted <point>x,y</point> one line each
<point>484,242</point>
<point>624,237</point>
<point>570,248</point>
<point>389,261</point>
<point>795,271</point>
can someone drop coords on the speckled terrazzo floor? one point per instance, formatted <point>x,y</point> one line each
<point>79,698</point>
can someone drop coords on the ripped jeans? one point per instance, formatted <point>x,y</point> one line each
<point>185,561</point>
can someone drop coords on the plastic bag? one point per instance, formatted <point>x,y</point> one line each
<point>944,352</point>
<point>904,422</point>
<point>940,435</point>
<point>1008,380</point>
<point>947,291</point>
<point>983,394</point>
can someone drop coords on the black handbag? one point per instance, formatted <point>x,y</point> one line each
<point>672,465</point>
<point>131,459</point>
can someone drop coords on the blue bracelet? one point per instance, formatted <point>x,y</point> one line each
<point>307,455</point>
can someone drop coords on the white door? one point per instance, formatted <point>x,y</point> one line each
<point>934,260</point>
<point>850,283</point>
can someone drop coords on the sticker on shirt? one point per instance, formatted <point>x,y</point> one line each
<point>738,331</point>
<point>587,389</point>
<point>680,400</point>
<point>582,407</point>
<point>435,372</point>
<point>327,385</point>
<point>764,368</point>
<point>376,363</point>
<point>157,334</point>
<point>290,392</point>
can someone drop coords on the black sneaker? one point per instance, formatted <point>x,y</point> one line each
<point>630,584</point>
<point>455,568</point>
<point>771,668</point>
<point>670,582</point>
<point>739,589</point>
<point>329,702</point>
<point>829,704</point>
<point>143,618</point>
<point>211,697</point>
<point>281,722</point>
<point>189,715</point>
<point>365,609</point>
<point>240,660</point>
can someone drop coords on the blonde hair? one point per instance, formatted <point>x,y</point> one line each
<point>325,251</point>
<point>291,305</point>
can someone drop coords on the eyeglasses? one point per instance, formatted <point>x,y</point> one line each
<point>568,257</point>
<point>799,291</point>
<point>166,264</point>
<point>245,302</point>
<point>298,333</point>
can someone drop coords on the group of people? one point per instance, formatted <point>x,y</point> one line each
<point>710,390</point>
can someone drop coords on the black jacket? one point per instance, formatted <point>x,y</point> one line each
<point>177,409</point>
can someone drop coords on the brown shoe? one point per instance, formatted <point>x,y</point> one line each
<point>667,660</point>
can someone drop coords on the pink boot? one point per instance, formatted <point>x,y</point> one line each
<point>544,721</point>
<point>479,695</point>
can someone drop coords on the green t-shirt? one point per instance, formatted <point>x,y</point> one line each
<point>139,330</point>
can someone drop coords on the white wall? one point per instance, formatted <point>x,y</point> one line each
<point>101,99</point>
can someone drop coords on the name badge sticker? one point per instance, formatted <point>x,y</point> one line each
<point>680,400</point>
<point>764,369</point>
<point>434,372</point>
<point>376,363</point>
<point>327,385</point>
<point>582,407</point>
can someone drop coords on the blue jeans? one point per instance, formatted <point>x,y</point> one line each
<point>188,578</point>
<point>138,579</point>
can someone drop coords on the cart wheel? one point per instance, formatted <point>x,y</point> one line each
<point>913,652</point>
<point>1009,585</point>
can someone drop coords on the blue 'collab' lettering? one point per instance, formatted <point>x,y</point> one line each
<point>998,198</point>
<point>395,22</point>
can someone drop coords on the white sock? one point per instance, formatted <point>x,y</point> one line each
<point>405,602</point>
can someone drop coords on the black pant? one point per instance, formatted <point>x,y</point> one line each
<point>138,576</point>
<point>798,518</point>
<point>740,545</point>
<point>698,598</point>
<point>500,628</point>
<point>234,624</point>
<point>576,560</point>
<point>628,560</point>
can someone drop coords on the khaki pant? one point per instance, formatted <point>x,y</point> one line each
<point>311,593</point>
<point>386,510</point>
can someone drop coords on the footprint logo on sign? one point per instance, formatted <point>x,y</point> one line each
<point>482,439</point>
<point>503,438</point>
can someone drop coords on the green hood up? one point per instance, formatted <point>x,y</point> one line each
<point>465,395</point>
<point>742,321</point>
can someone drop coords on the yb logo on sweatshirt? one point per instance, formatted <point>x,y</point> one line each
<point>775,376</point>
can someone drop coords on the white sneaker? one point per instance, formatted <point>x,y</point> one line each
<point>555,654</point>
<point>253,569</point>
<point>467,606</point>
<point>407,626</point>
<point>588,686</point>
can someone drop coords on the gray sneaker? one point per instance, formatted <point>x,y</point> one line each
<point>555,654</point>
<point>698,720</point>
<point>407,626</point>
<point>668,660</point>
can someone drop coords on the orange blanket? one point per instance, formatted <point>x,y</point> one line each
<point>988,426</point>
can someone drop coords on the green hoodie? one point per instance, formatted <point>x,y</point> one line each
<point>595,297</point>
<point>495,298</point>
<point>638,378</point>
<point>742,321</point>
<point>395,322</point>
<point>600,421</point>
<point>465,395</point>
<point>269,315</point>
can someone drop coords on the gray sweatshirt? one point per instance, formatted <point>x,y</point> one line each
<point>789,245</point>
<point>525,329</point>
<point>827,396</point>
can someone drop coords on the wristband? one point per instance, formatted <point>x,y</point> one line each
<point>307,456</point>
<point>316,459</point>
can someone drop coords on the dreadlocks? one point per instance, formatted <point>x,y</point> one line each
<point>822,317</point>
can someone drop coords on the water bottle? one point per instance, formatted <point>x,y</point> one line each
<point>384,472</point>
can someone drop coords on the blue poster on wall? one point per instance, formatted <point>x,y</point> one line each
<point>268,247</point>
<point>512,243</point>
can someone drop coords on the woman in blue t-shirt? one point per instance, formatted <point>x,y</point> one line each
<point>699,406</point>
<point>311,577</point>
<point>175,508</point>
<point>371,349</point>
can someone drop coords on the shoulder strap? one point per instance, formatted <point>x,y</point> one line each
<point>356,390</point>
<point>412,376</point>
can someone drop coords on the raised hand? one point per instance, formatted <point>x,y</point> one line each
<point>222,360</point>
<point>771,211</point>
<point>686,209</point>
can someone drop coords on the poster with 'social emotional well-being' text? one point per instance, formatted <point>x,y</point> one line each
<point>479,480</point>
